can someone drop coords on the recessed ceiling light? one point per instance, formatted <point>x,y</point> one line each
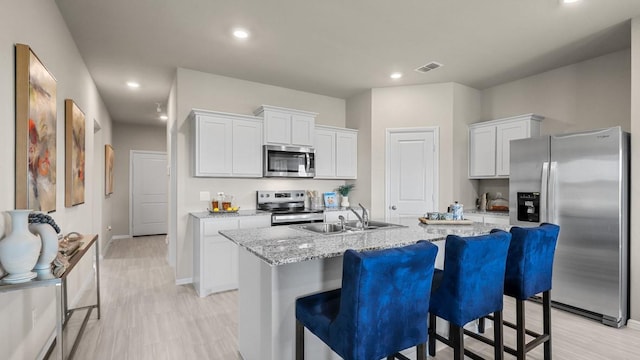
<point>241,33</point>
<point>164,117</point>
<point>569,1</point>
<point>133,84</point>
<point>396,75</point>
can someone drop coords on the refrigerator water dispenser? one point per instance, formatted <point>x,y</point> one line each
<point>529,206</point>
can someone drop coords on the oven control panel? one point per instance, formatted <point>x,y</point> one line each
<point>265,197</point>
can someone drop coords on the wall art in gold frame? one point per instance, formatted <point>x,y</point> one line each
<point>108,169</point>
<point>74,154</point>
<point>35,133</point>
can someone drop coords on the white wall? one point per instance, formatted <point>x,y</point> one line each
<point>359,117</point>
<point>40,25</point>
<point>212,92</point>
<point>127,137</point>
<point>635,173</point>
<point>583,96</point>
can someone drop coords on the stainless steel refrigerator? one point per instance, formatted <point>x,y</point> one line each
<point>579,181</point>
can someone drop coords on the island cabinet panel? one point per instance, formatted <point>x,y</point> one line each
<point>283,126</point>
<point>336,152</point>
<point>489,144</point>
<point>215,257</point>
<point>226,145</point>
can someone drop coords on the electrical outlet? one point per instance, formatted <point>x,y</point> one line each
<point>204,196</point>
<point>34,315</point>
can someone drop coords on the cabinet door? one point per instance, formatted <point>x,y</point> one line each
<point>247,148</point>
<point>482,151</point>
<point>499,220</point>
<point>302,130</point>
<point>505,133</point>
<point>325,145</point>
<point>213,146</point>
<point>220,257</point>
<point>277,128</point>
<point>346,155</point>
<point>255,222</point>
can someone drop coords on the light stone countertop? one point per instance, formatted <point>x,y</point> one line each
<point>281,245</point>
<point>207,214</point>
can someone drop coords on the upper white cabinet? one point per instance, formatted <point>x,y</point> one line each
<point>489,144</point>
<point>284,126</point>
<point>226,145</point>
<point>336,153</point>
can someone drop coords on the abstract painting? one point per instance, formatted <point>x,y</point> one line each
<point>108,169</point>
<point>74,154</point>
<point>35,133</point>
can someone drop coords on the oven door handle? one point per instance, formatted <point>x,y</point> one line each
<point>299,218</point>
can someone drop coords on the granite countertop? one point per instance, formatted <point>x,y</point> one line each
<point>488,212</point>
<point>281,245</point>
<point>207,214</point>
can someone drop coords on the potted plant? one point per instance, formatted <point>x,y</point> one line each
<point>344,192</point>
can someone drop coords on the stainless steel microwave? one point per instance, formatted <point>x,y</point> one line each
<point>289,161</point>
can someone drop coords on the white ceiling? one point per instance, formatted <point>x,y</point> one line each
<point>333,47</point>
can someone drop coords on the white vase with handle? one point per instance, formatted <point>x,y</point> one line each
<point>345,201</point>
<point>19,251</point>
<point>49,240</point>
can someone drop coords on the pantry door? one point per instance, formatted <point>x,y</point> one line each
<point>149,195</point>
<point>411,172</point>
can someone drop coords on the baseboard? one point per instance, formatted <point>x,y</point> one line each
<point>184,281</point>
<point>117,237</point>
<point>633,324</point>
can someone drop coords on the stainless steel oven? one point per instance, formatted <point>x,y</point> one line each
<point>289,161</point>
<point>287,207</point>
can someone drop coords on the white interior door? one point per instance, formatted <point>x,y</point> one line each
<point>412,172</point>
<point>148,193</point>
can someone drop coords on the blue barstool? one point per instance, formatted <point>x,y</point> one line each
<point>529,272</point>
<point>469,287</point>
<point>381,308</point>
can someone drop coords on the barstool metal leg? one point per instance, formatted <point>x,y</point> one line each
<point>422,353</point>
<point>546,320</point>
<point>520,331</point>
<point>299,340</point>
<point>432,335</point>
<point>498,346</point>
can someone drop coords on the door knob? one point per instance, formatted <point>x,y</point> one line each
<point>393,207</point>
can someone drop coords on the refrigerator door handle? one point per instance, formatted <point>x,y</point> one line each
<point>552,211</point>
<point>544,181</point>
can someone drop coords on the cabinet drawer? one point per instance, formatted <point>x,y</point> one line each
<point>211,227</point>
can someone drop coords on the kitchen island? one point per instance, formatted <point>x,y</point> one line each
<point>279,264</point>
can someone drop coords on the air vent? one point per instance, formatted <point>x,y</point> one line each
<point>428,67</point>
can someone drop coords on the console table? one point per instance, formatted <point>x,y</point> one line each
<point>63,313</point>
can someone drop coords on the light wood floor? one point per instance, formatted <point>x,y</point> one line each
<point>146,316</point>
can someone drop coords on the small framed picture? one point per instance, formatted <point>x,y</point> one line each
<point>330,199</point>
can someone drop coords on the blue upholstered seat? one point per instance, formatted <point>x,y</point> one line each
<point>469,287</point>
<point>381,308</point>
<point>529,272</point>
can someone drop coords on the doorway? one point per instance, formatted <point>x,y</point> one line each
<point>411,172</point>
<point>149,191</point>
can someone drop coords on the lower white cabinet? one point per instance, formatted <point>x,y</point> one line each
<point>215,258</point>
<point>487,218</point>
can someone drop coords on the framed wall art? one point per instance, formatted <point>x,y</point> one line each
<point>108,169</point>
<point>74,154</point>
<point>35,133</point>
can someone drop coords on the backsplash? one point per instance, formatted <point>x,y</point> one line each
<point>494,186</point>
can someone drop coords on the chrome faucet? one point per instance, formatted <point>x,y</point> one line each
<point>364,219</point>
<point>342,222</point>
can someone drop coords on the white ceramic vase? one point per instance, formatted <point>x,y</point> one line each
<point>19,250</point>
<point>345,201</point>
<point>49,240</point>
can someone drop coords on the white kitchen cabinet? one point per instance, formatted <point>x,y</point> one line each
<point>336,153</point>
<point>226,145</point>
<point>487,218</point>
<point>215,257</point>
<point>284,126</point>
<point>489,144</point>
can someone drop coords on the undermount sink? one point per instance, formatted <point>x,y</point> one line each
<point>350,227</point>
